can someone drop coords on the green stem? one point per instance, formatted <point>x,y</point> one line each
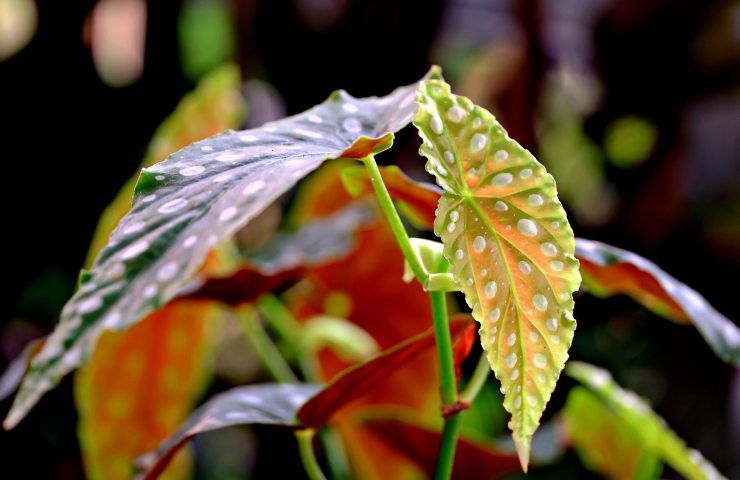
<point>305,447</point>
<point>386,204</point>
<point>267,352</point>
<point>476,382</point>
<point>448,380</point>
<point>280,318</point>
<point>446,456</point>
<point>448,385</point>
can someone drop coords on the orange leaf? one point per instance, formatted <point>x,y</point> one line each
<point>140,385</point>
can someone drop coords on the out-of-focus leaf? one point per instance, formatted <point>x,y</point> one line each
<point>510,246</point>
<point>18,21</point>
<point>206,34</point>
<point>140,385</point>
<point>357,381</point>
<point>13,374</point>
<point>267,404</point>
<point>285,259</point>
<point>604,443</point>
<point>349,341</point>
<point>610,270</point>
<point>318,242</point>
<point>415,196</point>
<point>636,415</point>
<point>421,445</point>
<point>197,198</point>
<point>630,140</point>
<point>567,150</point>
<point>214,106</point>
<point>462,347</point>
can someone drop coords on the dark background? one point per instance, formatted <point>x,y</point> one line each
<point>68,142</point>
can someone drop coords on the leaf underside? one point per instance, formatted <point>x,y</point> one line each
<point>192,201</point>
<point>267,404</point>
<point>510,246</point>
<point>636,415</point>
<point>609,270</point>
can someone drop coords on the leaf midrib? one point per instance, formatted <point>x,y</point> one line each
<point>517,304</point>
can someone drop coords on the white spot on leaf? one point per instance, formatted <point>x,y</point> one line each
<point>527,227</point>
<point>502,179</point>
<point>478,142</point>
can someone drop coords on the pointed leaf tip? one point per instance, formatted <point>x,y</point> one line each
<point>523,450</point>
<point>510,247</point>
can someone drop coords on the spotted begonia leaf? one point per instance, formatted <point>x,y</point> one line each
<point>266,404</point>
<point>170,348</point>
<point>194,199</point>
<point>510,247</point>
<point>606,270</point>
<point>214,106</point>
<point>609,270</point>
<point>653,433</point>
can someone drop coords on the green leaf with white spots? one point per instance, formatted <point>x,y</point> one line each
<point>635,414</point>
<point>195,199</point>
<point>510,247</point>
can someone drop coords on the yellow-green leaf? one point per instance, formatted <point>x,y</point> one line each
<point>648,428</point>
<point>603,442</point>
<point>510,246</point>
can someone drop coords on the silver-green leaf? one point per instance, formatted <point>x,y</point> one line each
<point>195,199</point>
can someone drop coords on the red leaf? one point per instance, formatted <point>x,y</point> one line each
<point>421,445</point>
<point>462,347</point>
<point>357,381</point>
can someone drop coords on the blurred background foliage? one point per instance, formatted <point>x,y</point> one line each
<point>633,105</point>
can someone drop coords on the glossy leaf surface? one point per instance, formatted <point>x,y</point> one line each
<point>605,444</point>
<point>636,415</point>
<point>510,246</point>
<point>195,199</point>
<point>267,404</point>
<point>421,444</point>
<point>214,106</point>
<point>609,270</point>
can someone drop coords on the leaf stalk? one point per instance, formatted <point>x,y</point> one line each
<point>448,380</point>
